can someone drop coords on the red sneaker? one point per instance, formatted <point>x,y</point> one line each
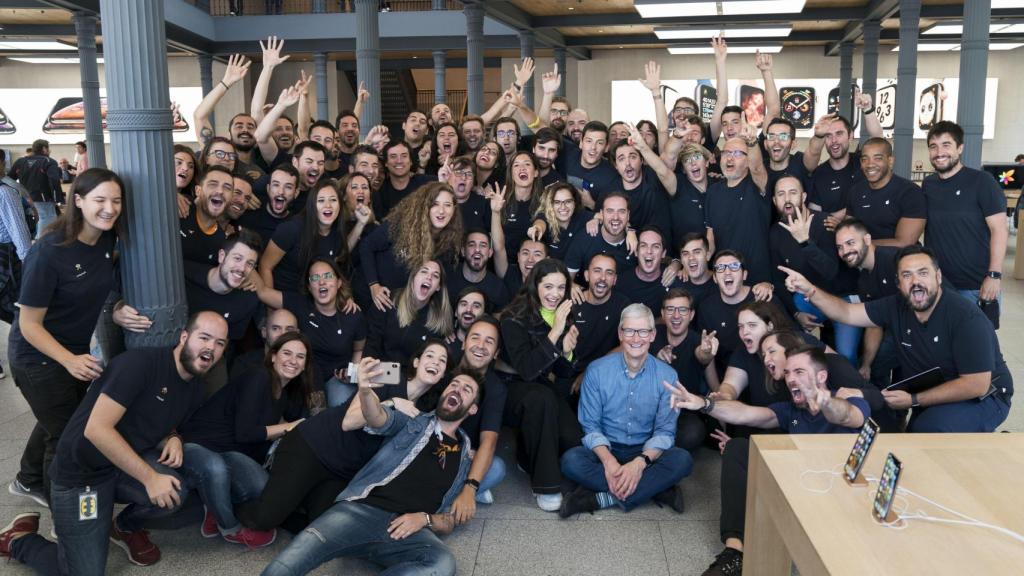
<point>252,538</point>
<point>27,523</point>
<point>209,529</point>
<point>141,551</point>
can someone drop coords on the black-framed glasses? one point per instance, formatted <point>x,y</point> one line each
<point>734,266</point>
<point>681,110</point>
<point>222,155</point>
<point>672,310</point>
<point>641,332</point>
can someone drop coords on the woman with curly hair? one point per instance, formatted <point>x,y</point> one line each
<point>560,218</point>
<point>491,165</point>
<point>426,225</point>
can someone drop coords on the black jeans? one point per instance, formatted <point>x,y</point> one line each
<point>547,428</point>
<point>53,394</point>
<point>297,478</point>
<point>735,462</point>
<point>690,430</point>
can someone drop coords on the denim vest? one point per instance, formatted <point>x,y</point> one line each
<point>408,436</point>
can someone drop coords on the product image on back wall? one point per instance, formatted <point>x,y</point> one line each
<point>68,115</point>
<point>931,106</point>
<point>798,106</point>
<point>6,126</point>
<point>752,103</point>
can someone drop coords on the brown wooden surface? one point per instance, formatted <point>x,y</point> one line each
<point>976,474</point>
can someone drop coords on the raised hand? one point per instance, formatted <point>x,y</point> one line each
<point>709,342</point>
<point>861,100</point>
<point>303,83</point>
<point>525,72</point>
<point>363,94</point>
<point>424,154</point>
<point>551,81</point>
<point>238,67</point>
<point>513,96</point>
<point>682,398</point>
<point>272,52</point>
<point>763,291</point>
<point>635,138</point>
<point>666,355</point>
<point>720,47</point>
<point>799,225</point>
<point>763,61</point>
<point>289,96</point>
<point>823,124</point>
<point>377,137</point>
<point>652,77</point>
<point>796,282</point>
<point>748,132</point>
<point>496,196</point>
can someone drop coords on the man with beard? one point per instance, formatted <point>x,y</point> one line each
<point>737,210</point>
<point>282,187</point>
<point>440,114</point>
<point>645,179</point>
<point>323,133</point>
<point>894,209</point>
<point>547,146</point>
<point>475,209</point>
<point>778,140</point>
<point>558,114</point>
<point>575,123</point>
<point>644,282</point>
<point>833,179</point>
<point>628,456</point>
<point>594,315</point>
<point>966,218</point>
<point>694,256</point>
<point>401,179</point>
<point>415,131</point>
<point>276,149</point>
<point>611,239</point>
<point>586,167</point>
<point>241,195</point>
<point>120,446</point>
<point>476,255</point>
<point>201,233</point>
<point>687,199</point>
<point>309,160</point>
<point>394,508</point>
<point>933,329</point>
<point>470,305</point>
<point>347,124</point>
<point>812,410</point>
<point>365,161</point>
<point>241,128</point>
<point>472,130</point>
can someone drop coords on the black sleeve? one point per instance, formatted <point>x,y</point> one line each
<point>376,334</point>
<point>820,252</point>
<point>120,380</point>
<point>251,399</point>
<point>974,342</point>
<point>53,174</point>
<point>883,310</point>
<point>38,277</point>
<point>377,241</point>
<point>530,359</point>
<point>842,374</point>
<point>493,408</point>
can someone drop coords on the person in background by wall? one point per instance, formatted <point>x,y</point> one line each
<point>40,174</point>
<point>15,241</point>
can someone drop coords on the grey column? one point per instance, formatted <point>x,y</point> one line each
<point>560,60</point>
<point>526,51</point>
<point>474,12</point>
<point>906,76</point>
<point>438,5</point>
<point>320,69</point>
<point>85,26</point>
<point>368,60</point>
<point>970,112</point>
<point>319,6</point>
<point>846,80</point>
<point>440,69</point>
<point>139,121</point>
<point>869,76</point>
<point>206,79</point>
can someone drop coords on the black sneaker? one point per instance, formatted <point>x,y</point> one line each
<point>729,562</point>
<point>673,498</point>
<point>579,500</point>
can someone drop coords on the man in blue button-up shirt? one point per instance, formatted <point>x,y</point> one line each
<point>628,455</point>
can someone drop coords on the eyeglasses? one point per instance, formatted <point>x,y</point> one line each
<point>693,158</point>
<point>463,173</point>
<point>568,202</point>
<point>642,332</point>
<point>562,113</point>
<point>734,266</point>
<point>505,133</point>
<point>733,153</point>
<point>222,155</point>
<point>781,137</point>
<point>672,310</point>
<point>324,276</point>
<point>680,110</point>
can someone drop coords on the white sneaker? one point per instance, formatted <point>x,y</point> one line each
<point>549,502</point>
<point>485,497</point>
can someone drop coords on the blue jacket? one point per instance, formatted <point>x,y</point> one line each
<point>407,437</point>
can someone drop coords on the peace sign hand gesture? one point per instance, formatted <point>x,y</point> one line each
<point>708,342</point>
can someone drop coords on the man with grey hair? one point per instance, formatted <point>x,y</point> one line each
<point>626,460</point>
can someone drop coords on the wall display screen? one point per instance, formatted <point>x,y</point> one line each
<point>804,101</point>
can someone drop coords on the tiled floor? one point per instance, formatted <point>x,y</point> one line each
<point>509,538</point>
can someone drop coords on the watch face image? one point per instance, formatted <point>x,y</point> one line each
<point>68,116</point>
<point>885,106</point>
<point>6,126</point>
<point>929,106</point>
<point>798,106</point>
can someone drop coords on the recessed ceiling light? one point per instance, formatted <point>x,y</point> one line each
<point>700,49</point>
<point>999,46</point>
<point>678,9</point>
<point>737,32</point>
<point>27,45</point>
<point>959,29</point>
<point>1013,29</point>
<point>1007,4</point>
<point>48,60</point>
<point>930,47</point>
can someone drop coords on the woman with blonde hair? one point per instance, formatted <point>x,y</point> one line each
<point>560,218</point>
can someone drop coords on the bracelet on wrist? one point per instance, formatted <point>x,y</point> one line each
<point>474,483</point>
<point>226,87</point>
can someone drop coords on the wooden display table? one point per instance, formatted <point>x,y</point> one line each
<point>980,475</point>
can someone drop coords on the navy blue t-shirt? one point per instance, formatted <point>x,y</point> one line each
<point>793,420</point>
<point>599,180</point>
<point>882,209</point>
<point>288,274</point>
<point>238,307</point>
<point>598,328</point>
<point>831,187</point>
<point>688,369</point>
<point>262,222</point>
<point>795,167</point>
<point>687,211</point>
<point>332,337</point>
<point>558,248</point>
<point>648,204</point>
<point>739,217</point>
<point>585,246</point>
<point>492,287</point>
<point>196,245</point>
<point>650,293</point>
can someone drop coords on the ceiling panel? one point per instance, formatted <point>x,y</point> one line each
<point>557,7</point>
<point>34,16</point>
<point>606,30</point>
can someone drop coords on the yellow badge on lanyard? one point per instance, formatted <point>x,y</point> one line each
<point>87,503</point>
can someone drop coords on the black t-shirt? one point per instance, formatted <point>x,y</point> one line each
<point>476,213</point>
<point>817,259</point>
<point>261,222</point>
<point>882,209</point>
<point>424,482</point>
<point>795,167</point>
<point>513,280</point>
<point>488,417</point>
<point>739,217</point>
<point>650,293</point>
<point>956,228</point>
<point>958,338</point>
<point>585,246</point>
<point>598,326</point>
<point>599,180</point>
<point>699,292</point>
<point>551,177</point>
<point>391,342</point>
<point>881,280</point>
<point>492,286</point>
<point>831,187</point>
<point>558,248</point>
<point>648,203</point>
<point>283,157</point>
<point>715,314</point>
<point>378,262</point>
<point>688,369</point>
<point>344,453</point>
<point>238,307</point>
<point>519,220</point>
<point>332,337</point>
<point>196,245</point>
<point>288,274</point>
<point>385,199</point>
<point>72,282</point>
<point>687,211</point>
<point>146,383</point>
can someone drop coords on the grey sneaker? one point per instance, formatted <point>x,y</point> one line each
<point>19,489</point>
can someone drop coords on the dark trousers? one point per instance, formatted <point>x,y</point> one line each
<point>965,416</point>
<point>690,430</point>
<point>81,548</point>
<point>584,467</point>
<point>297,479</point>
<point>53,394</point>
<point>735,462</point>
<point>547,427</point>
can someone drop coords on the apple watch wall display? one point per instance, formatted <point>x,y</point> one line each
<point>833,104</point>
<point>930,106</point>
<point>752,102</point>
<point>859,453</point>
<point>798,106</point>
<point>882,507</point>
<point>885,106</point>
<point>706,97</point>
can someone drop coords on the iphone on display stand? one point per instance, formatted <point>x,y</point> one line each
<point>859,454</point>
<point>882,507</point>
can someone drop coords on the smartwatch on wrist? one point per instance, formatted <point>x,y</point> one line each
<point>994,275</point>
<point>647,461</point>
<point>430,524</point>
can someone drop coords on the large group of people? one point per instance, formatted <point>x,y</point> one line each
<point>366,316</point>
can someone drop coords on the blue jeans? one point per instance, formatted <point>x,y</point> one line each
<point>964,416</point>
<point>847,337</point>
<point>47,213</point>
<point>495,474</point>
<point>581,465</point>
<point>81,548</point>
<point>338,392</point>
<point>975,295</point>
<point>360,531</point>
<point>223,479</point>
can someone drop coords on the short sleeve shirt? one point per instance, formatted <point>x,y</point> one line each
<point>882,209</point>
<point>332,337</point>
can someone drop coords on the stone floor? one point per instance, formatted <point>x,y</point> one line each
<point>512,537</point>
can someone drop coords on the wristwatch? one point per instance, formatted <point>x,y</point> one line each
<point>430,524</point>
<point>913,401</point>
<point>647,461</point>
<point>995,275</point>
